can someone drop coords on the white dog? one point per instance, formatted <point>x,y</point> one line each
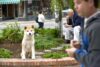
<point>28,42</point>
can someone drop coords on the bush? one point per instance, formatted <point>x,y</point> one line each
<point>46,42</point>
<point>11,33</point>
<point>47,38</point>
<point>48,32</point>
<point>66,47</point>
<point>55,55</point>
<point>4,53</point>
<point>44,38</point>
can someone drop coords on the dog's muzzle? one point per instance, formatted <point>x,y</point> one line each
<point>30,34</point>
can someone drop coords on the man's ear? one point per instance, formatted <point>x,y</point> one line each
<point>25,27</point>
<point>32,26</point>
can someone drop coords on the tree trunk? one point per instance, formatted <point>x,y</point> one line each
<point>60,23</point>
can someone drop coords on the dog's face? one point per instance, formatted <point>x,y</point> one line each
<point>29,30</point>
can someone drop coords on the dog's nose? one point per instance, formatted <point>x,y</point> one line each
<point>29,33</point>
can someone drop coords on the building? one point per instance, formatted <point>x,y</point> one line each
<point>8,9</point>
<point>22,9</point>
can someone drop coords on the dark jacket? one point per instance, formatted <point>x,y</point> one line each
<point>77,20</point>
<point>89,53</point>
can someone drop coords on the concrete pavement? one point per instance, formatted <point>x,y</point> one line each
<point>47,24</point>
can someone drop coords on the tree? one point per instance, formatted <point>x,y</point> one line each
<point>57,7</point>
<point>71,4</point>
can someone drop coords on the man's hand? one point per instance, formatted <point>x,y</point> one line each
<point>75,44</point>
<point>71,52</point>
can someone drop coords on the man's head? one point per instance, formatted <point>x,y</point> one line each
<point>86,8</point>
<point>70,12</point>
<point>40,12</point>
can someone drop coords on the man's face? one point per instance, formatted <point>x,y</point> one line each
<point>82,7</point>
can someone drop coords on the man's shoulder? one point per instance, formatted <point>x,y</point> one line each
<point>94,25</point>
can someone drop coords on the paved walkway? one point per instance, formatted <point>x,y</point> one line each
<point>48,23</point>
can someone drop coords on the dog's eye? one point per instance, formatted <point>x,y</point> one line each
<point>27,31</point>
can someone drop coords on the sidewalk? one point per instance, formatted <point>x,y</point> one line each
<point>48,23</point>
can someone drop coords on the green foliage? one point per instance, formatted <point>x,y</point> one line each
<point>71,4</point>
<point>46,42</point>
<point>51,32</point>
<point>47,38</point>
<point>4,53</point>
<point>58,3</point>
<point>11,33</point>
<point>57,6</point>
<point>55,55</point>
<point>66,47</point>
<point>44,38</point>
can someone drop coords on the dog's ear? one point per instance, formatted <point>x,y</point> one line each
<point>32,26</point>
<point>25,27</point>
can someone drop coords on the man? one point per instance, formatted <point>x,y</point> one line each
<point>73,26</point>
<point>41,19</point>
<point>67,26</point>
<point>88,51</point>
<point>78,22</point>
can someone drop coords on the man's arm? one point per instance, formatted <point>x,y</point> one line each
<point>79,54</point>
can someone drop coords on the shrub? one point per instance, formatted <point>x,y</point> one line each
<point>55,55</point>
<point>11,33</point>
<point>47,38</point>
<point>51,32</point>
<point>4,53</point>
<point>44,38</point>
<point>46,42</point>
<point>66,47</point>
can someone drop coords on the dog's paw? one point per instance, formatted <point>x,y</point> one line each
<point>23,58</point>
